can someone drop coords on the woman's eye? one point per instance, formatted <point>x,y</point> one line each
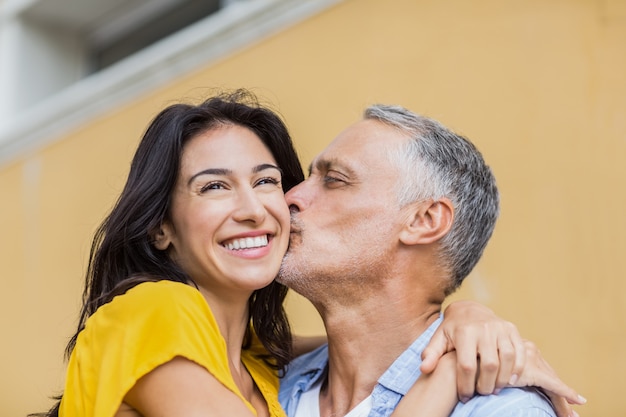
<point>212,186</point>
<point>268,180</point>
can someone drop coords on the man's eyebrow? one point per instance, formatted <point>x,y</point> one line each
<point>225,171</point>
<point>333,164</point>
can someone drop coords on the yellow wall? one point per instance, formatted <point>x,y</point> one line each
<point>539,86</point>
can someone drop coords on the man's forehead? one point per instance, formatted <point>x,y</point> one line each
<point>365,141</point>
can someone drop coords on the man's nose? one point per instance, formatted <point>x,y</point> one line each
<point>298,197</point>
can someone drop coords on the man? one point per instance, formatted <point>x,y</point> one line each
<point>394,215</point>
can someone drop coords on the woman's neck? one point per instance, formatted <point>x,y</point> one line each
<point>233,318</point>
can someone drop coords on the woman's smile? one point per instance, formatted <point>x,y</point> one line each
<point>229,219</point>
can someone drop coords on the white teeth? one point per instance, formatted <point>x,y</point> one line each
<point>247,243</point>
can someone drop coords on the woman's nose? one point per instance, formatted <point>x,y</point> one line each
<point>250,207</point>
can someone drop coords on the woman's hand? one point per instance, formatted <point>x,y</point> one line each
<point>491,355</point>
<point>489,350</point>
<point>538,373</point>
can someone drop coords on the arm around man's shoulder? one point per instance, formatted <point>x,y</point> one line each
<point>510,402</point>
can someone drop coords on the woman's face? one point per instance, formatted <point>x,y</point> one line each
<point>229,226</point>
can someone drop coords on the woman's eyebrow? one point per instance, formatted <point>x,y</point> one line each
<point>262,167</point>
<point>225,171</point>
<point>210,171</point>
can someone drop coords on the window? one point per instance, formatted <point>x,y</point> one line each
<point>59,42</point>
<point>115,41</point>
<point>64,61</point>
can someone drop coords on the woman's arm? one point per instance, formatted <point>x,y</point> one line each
<point>181,387</point>
<point>434,394</point>
<point>491,355</point>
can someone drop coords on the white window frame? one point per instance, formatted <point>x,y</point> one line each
<point>237,24</point>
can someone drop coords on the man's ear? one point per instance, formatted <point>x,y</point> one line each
<point>161,237</point>
<point>427,222</point>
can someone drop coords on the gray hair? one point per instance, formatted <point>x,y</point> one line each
<point>438,163</point>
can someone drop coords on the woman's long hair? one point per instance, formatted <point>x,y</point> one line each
<point>122,254</point>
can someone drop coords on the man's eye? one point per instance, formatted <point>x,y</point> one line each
<point>329,179</point>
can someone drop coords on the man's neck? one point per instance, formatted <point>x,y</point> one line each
<point>363,341</point>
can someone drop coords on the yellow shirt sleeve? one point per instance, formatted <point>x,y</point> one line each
<point>136,332</point>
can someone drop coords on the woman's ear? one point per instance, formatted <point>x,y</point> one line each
<point>161,237</point>
<point>427,222</point>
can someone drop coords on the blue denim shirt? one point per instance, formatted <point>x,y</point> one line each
<point>307,369</point>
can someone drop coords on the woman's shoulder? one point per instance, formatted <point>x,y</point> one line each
<point>151,295</point>
<point>163,316</point>
<point>147,326</point>
<point>163,289</point>
<point>157,303</point>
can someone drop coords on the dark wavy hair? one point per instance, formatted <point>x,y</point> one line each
<point>122,255</point>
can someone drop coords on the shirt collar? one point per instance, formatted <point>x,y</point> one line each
<point>310,367</point>
<point>405,370</point>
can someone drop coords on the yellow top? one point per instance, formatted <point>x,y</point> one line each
<point>146,327</point>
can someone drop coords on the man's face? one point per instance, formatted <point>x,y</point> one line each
<point>345,216</point>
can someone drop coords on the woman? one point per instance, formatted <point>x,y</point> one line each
<point>194,243</point>
<point>181,314</point>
